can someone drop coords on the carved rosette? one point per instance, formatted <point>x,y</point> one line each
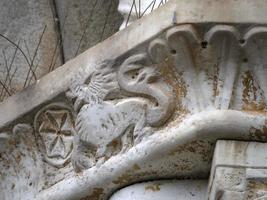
<point>54,129</point>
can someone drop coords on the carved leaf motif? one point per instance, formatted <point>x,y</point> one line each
<point>212,66</point>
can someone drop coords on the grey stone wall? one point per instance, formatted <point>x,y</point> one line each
<point>30,25</point>
<point>84,23</point>
<point>37,36</point>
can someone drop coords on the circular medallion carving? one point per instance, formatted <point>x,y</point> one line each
<point>54,128</point>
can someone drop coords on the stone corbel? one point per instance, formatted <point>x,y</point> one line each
<point>146,104</point>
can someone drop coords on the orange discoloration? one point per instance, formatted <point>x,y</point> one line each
<point>251,96</point>
<point>153,187</point>
<point>204,148</point>
<point>175,80</point>
<point>132,175</point>
<point>258,185</point>
<point>215,80</point>
<point>96,194</point>
<point>136,167</point>
<point>258,134</point>
<point>184,165</point>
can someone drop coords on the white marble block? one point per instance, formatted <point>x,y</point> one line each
<point>239,171</point>
<point>164,190</point>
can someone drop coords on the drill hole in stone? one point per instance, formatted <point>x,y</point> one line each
<point>242,41</point>
<point>204,44</point>
<point>173,51</point>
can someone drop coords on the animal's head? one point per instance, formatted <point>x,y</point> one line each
<point>94,88</point>
<point>138,75</point>
<point>138,71</point>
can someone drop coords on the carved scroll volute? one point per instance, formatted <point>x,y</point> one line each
<point>147,82</point>
<point>158,50</point>
<point>255,47</point>
<point>223,40</point>
<point>184,43</point>
<point>159,53</point>
<point>54,129</point>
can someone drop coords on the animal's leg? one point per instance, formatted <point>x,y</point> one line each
<point>127,138</point>
<point>139,129</point>
<point>82,156</point>
<point>101,151</point>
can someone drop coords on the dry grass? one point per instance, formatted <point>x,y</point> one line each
<point>7,87</point>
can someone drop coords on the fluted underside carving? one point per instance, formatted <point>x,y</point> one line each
<point>221,68</point>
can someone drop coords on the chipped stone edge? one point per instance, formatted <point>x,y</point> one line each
<point>172,13</point>
<point>209,125</point>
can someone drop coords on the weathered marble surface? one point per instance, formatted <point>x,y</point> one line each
<point>147,104</point>
<point>162,190</point>
<point>239,171</point>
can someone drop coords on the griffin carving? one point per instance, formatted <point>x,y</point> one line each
<point>107,127</point>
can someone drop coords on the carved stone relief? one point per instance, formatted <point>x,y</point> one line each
<point>21,173</point>
<point>195,69</point>
<point>27,153</point>
<point>219,68</point>
<point>165,105</point>
<point>54,129</point>
<point>243,175</point>
<point>106,127</point>
<point>240,183</point>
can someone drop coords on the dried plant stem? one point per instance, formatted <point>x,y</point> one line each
<point>7,67</point>
<point>34,56</point>
<point>129,14</point>
<point>17,46</point>
<point>105,24</point>
<point>8,70</point>
<point>152,2</point>
<point>58,45</point>
<point>5,88</point>
<point>30,79</point>
<point>85,28</point>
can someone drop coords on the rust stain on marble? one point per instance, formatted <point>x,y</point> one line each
<point>173,78</point>
<point>128,175</point>
<point>183,165</point>
<point>176,81</point>
<point>251,95</point>
<point>257,185</point>
<point>96,194</point>
<point>203,148</point>
<point>136,167</point>
<point>153,187</point>
<point>133,175</point>
<point>258,134</point>
<point>215,80</point>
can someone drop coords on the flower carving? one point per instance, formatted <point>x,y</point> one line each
<point>55,127</point>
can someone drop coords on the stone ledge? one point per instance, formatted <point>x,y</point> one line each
<point>177,152</point>
<point>172,13</point>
